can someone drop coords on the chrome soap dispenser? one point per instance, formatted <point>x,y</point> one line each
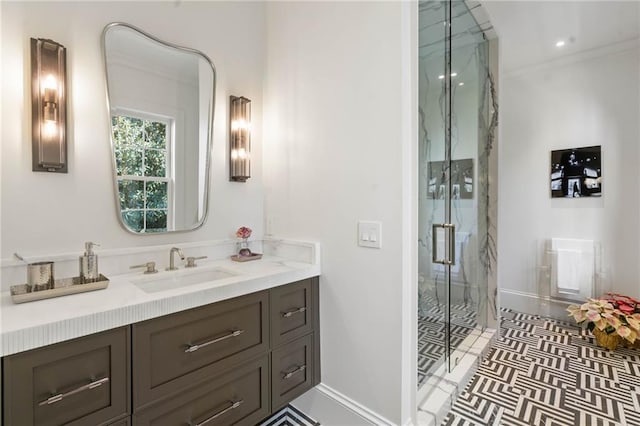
<point>89,264</point>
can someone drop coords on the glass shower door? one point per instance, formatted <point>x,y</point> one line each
<point>452,90</point>
<point>434,191</point>
<point>469,173</point>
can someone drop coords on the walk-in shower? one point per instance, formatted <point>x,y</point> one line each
<point>457,119</point>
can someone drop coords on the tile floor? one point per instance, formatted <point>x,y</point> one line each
<point>431,343</point>
<point>289,416</point>
<point>431,332</point>
<point>540,372</point>
<point>543,372</point>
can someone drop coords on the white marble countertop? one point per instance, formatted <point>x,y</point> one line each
<point>35,324</point>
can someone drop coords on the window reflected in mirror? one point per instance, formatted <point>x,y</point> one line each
<point>142,150</point>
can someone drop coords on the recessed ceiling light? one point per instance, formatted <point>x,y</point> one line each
<point>453,74</point>
<point>461,83</point>
<point>560,43</point>
<point>441,77</point>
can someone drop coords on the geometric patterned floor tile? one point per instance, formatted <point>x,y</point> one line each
<point>289,416</point>
<point>431,332</point>
<point>475,410</point>
<point>431,340</point>
<point>544,372</point>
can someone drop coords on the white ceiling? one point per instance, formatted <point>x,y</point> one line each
<point>528,30</point>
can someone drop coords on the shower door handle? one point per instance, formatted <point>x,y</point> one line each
<point>450,238</point>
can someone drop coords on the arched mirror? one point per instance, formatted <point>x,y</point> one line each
<point>161,104</point>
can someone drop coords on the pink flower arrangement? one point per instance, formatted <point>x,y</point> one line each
<point>243,232</point>
<point>613,313</point>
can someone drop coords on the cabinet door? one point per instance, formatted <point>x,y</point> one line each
<point>292,311</point>
<point>80,382</point>
<point>176,351</point>
<point>292,371</point>
<point>239,397</point>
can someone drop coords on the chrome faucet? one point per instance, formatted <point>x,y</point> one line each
<point>172,266</point>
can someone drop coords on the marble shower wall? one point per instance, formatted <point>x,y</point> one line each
<point>473,125</point>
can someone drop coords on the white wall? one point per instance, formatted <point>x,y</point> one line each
<point>334,149</point>
<point>589,99</point>
<point>45,213</point>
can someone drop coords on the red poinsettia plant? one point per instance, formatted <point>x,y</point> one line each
<point>612,313</point>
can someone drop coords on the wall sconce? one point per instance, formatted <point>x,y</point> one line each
<point>48,106</point>
<point>239,139</point>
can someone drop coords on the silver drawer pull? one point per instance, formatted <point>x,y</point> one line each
<point>295,371</point>
<point>233,406</point>
<point>59,397</point>
<point>232,333</point>
<point>293,312</point>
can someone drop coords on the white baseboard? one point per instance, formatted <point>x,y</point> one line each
<point>354,406</point>
<point>332,408</point>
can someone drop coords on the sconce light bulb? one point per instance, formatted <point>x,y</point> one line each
<point>240,124</point>
<point>234,154</point>
<point>50,128</point>
<point>242,153</point>
<point>50,82</point>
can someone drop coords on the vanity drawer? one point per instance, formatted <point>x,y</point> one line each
<point>80,382</point>
<point>292,371</point>
<point>292,311</point>
<point>174,352</point>
<point>212,402</point>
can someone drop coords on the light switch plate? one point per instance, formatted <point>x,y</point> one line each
<point>369,234</point>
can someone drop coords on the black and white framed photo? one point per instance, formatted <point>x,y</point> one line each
<point>576,172</point>
<point>461,179</point>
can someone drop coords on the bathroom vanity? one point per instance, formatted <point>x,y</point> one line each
<point>228,351</point>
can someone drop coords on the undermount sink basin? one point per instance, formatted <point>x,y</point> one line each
<point>171,280</point>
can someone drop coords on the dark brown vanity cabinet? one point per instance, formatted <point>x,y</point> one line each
<point>122,422</point>
<point>295,340</point>
<point>172,352</point>
<point>230,362</point>
<point>240,396</point>
<point>291,311</point>
<point>292,370</point>
<point>84,381</point>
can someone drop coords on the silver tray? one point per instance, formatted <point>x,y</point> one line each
<point>22,293</point>
<point>253,256</point>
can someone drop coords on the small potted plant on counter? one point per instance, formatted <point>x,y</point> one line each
<point>613,319</point>
<point>244,233</point>
<point>244,253</point>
